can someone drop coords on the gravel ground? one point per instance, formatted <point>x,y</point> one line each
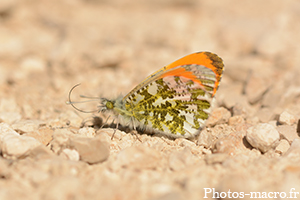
<point>51,151</point>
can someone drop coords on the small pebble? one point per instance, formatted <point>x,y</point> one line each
<point>91,150</point>
<point>15,146</point>
<point>282,147</point>
<point>288,132</point>
<point>219,116</point>
<point>205,139</point>
<point>231,144</point>
<point>70,154</point>
<point>263,136</point>
<point>6,129</point>
<point>294,150</point>
<point>26,126</point>
<point>236,120</point>
<point>286,118</point>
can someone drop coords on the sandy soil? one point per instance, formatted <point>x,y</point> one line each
<point>51,151</point>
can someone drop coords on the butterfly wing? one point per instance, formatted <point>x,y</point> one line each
<point>176,100</point>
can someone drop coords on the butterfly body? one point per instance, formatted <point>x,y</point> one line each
<point>175,101</point>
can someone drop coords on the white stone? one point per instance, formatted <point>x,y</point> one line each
<point>205,139</point>
<point>71,154</point>
<point>286,118</point>
<point>14,146</point>
<point>26,126</point>
<point>6,129</point>
<point>263,136</point>
<point>294,150</point>
<point>282,147</point>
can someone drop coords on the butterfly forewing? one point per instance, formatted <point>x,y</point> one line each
<point>177,99</point>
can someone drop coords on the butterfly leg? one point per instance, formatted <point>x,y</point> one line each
<point>134,128</point>
<point>117,126</point>
<point>105,122</point>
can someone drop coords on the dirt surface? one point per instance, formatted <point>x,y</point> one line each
<point>51,151</point>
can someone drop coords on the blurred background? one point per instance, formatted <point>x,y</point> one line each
<point>110,46</point>
<point>48,46</point>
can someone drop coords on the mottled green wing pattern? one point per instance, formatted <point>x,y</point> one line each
<point>176,100</point>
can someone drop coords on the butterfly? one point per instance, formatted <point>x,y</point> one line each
<point>174,101</point>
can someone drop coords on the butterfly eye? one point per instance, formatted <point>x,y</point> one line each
<point>110,105</point>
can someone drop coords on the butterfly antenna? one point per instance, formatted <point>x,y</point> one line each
<point>70,102</point>
<point>87,97</point>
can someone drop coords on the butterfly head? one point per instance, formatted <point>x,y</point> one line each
<point>115,105</point>
<point>106,104</point>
